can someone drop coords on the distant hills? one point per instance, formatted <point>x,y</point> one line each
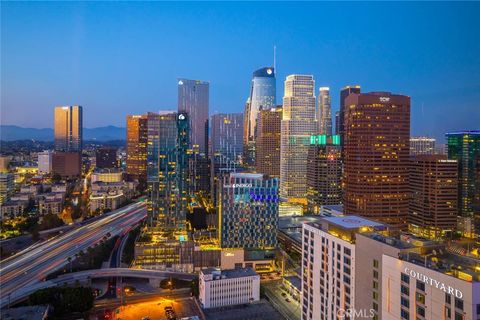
<point>12,133</point>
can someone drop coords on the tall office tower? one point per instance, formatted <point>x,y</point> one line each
<point>262,96</point>
<point>193,99</point>
<point>137,147</point>
<point>324,172</point>
<point>422,145</point>
<point>267,160</point>
<point>329,272</point>
<point>248,211</point>
<point>324,111</point>
<point>337,123</point>
<point>298,124</point>
<point>6,186</point>
<point>68,129</point>
<point>344,93</point>
<point>226,149</point>
<point>106,157</point>
<point>464,147</point>
<point>167,166</point>
<point>433,205</point>
<point>376,150</point>
<point>199,174</point>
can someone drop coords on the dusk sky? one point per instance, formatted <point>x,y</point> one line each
<point>124,58</point>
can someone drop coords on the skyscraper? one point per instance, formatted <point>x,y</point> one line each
<point>464,146</point>
<point>422,145</point>
<point>298,124</point>
<point>376,148</point>
<point>267,159</point>
<point>337,122</point>
<point>137,147</point>
<point>324,111</point>
<point>68,128</point>
<point>248,211</point>
<point>106,157</point>
<point>433,206</point>
<point>193,98</point>
<point>227,147</point>
<point>341,117</point>
<point>324,172</point>
<point>262,96</point>
<point>167,165</point>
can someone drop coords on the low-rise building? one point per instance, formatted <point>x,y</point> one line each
<point>106,200</point>
<point>49,205</point>
<point>107,175</point>
<point>13,208</point>
<point>220,288</point>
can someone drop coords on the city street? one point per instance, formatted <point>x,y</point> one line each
<point>291,309</point>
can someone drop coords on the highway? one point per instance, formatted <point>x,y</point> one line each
<point>33,264</point>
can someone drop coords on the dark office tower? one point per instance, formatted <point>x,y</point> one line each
<point>167,164</point>
<point>341,117</point>
<point>137,147</point>
<point>268,141</point>
<point>193,97</point>
<point>337,123</point>
<point>324,111</point>
<point>262,96</point>
<point>324,172</point>
<point>433,205</point>
<point>199,174</point>
<point>106,157</point>
<point>376,151</point>
<point>464,147</point>
<point>227,146</point>
<point>68,129</point>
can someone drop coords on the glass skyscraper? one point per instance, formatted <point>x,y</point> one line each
<point>193,99</point>
<point>298,124</point>
<point>324,111</point>
<point>68,128</point>
<point>262,96</point>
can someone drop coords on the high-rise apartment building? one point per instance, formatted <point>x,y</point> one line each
<point>45,162</point>
<point>464,147</point>
<point>344,93</point>
<point>324,172</point>
<point>68,128</point>
<point>262,96</point>
<point>193,99</point>
<point>267,160</point>
<point>433,207</point>
<point>248,217</point>
<point>298,124</point>
<point>106,157</point>
<point>376,148</point>
<point>422,145</point>
<point>329,272</point>
<point>167,164</point>
<point>137,147</point>
<point>6,187</point>
<point>324,111</point>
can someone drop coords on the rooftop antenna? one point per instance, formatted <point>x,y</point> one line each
<point>274,58</point>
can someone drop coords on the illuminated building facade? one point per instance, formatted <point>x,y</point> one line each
<point>465,148</point>
<point>137,147</point>
<point>324,172</point>
<point>193,99</point>
<point>376,151</point>
<point>422,145</point>
<point>324,111</point>
<point>298,124</point>
<point>248,205</point>
<point>6,187</point>
<point>262,96</point>
<point>68,128</point>
<point>433,207</point>
<point>267,160</point>
<point>344,93</point>
<point>167,164</point>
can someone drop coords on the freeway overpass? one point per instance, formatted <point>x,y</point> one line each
<point>82,276</point>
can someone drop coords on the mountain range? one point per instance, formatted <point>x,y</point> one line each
<point>12,133</point>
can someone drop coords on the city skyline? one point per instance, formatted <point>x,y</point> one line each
<point>396,60</point>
